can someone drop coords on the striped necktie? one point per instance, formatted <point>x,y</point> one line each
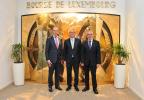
<point>56,42</point>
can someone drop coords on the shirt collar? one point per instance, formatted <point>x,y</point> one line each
<point>91,40</point>
<point>72,38</point>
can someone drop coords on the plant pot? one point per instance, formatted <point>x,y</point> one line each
<point>18,73</point>
<point>120,76</point>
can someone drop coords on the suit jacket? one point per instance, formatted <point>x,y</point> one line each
<point>91,57</point>
<point>74,53</point>
<point>53,53</point>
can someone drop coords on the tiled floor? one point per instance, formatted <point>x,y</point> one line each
<point>34,91</point>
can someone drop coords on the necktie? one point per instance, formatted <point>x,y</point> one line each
<point>56,42</point>
<point>89,44</point>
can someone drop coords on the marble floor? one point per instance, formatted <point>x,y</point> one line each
<point>35,91</point>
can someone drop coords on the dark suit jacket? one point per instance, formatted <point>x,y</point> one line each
<point>74,53</point>
<point>51,52</point>
<point>91,57</point>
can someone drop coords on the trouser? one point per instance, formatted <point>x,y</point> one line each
<point>75,66</point>
<point>93,74</point>
<point>61,71</point>
<point>54,67</point>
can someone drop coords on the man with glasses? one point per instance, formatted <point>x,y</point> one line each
<point>91,59</point>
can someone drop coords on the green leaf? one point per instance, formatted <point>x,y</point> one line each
<point>120,52</point>
<point>17,53</point>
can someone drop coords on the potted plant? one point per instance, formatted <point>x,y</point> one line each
<point>18,65</point>
<point>122,55</point>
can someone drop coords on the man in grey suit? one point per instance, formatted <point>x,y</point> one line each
<point>53,54</point>
<point>91,59</point>
<point>72,49</point>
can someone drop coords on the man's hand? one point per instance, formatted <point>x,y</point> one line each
<point>98,65</point>
<point>82,64</point>
<point>49,63</point>
<point>62,62</point>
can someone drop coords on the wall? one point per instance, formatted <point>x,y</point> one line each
<point>7,37</point>
<point>10,34</point>
<point>135,40</point>
<point>119,9</point>
<point>133,35</point>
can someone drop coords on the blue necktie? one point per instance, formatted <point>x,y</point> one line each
<point>89,44</point>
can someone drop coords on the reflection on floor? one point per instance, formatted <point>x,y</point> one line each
<point>34,91</point>
<point>41,76</point>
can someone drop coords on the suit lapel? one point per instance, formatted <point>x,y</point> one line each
<point>75,43</point>
<point>60,42</point>
<point>92,44</point>
<point>86,43</point>
<point>69,43</point>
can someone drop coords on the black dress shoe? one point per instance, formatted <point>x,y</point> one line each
<point>50,89</point>
<point>95,91</point>
<point>76,88</point>
<point>85,89</point>
<point>82,80</point>
<point>58,88</point>
<point>68,88</point>
<point>61,79</point>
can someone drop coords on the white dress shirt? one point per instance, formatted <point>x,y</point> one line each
<point>72,40</point>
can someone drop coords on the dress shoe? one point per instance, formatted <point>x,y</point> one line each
<point>59,88</point>
<point>61,79</point>
<point>95,91</point>
<point>50,89</point>
<point>82,80</point>
<point>85,89</point>
<point>68,88</point>
<point>76,88</point>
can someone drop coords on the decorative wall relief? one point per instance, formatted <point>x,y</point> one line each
<point>37,27</point>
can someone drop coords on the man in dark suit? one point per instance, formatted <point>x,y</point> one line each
<point>91,59</point>
<point>72,49</point>
<point>53,54</point>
